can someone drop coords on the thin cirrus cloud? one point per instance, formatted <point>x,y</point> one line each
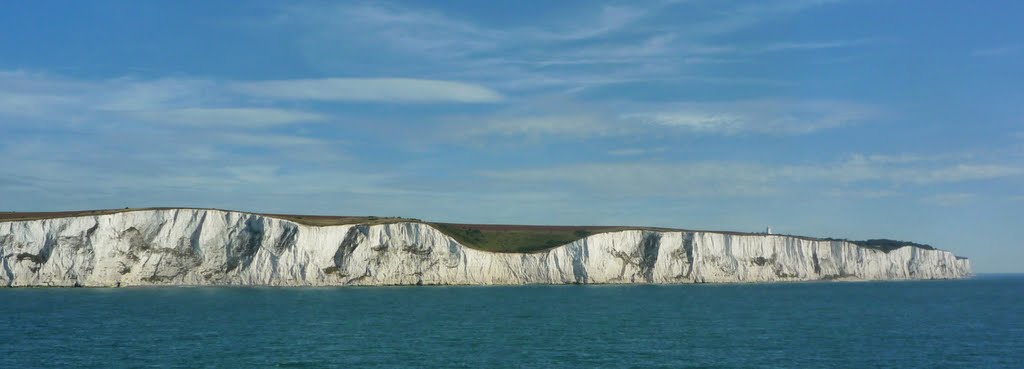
<point>124,93</point>
<point>396,90</point>
<point>212,103</point>
<point>998,50</point>
<point>576,125</point>
<point>248,117</point>
<point>950,199</point>
<point>603,45</point>
<point>725,118</point>
<point>717,178</point>
<point>777,47</point>
<point>772,116</point>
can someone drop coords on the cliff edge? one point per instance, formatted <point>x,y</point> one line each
<point>217,247</point>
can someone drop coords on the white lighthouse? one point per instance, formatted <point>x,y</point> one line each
<point>768,230</point>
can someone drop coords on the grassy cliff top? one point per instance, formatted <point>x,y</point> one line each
<point>487,237</point>
<point>518,238</point>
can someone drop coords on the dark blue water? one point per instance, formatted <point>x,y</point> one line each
<point>975,323</point>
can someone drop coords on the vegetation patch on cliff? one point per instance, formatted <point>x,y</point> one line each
<point>513,238</point>
<point>885,245</point>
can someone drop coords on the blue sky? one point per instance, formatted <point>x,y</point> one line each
<point>857,119</point>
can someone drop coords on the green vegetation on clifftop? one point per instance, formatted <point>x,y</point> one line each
<point>885,245</point>
<point>503,238</point>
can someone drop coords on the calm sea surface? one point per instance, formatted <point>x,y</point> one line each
<point>977,323</point>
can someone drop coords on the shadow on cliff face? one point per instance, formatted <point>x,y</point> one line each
<point>580,252</point>
<point>288,239</point>
<point>688,248</point>
<point>245,244</point>
<point>649,255</point>
<point>643,258</point>
<point>80,245</point>
<point>355,236</point>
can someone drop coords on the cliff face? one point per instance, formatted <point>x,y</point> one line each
<point>212,247</point>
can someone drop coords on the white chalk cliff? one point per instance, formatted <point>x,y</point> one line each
<point>214,247</point>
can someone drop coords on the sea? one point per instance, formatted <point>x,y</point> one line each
<point>973,323</point>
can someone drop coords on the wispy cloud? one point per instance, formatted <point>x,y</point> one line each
<point>964,172</point>
<point>170,124</point>
<point>610,19</point>
<point>748,14</point>
<point>405,29</point>
<point>265,140</point>
<point>637,151</point>
<point>735,51</point>
<point>580,125</point>
<point>394,90</point>
<point>122,163</point>
<point>907,169</point>
<point>861,193</point>
<point>187,101</point>
<point>998,50</point>
<point>724,118</point>
<point>950,199</point>
<point>210,103</point>
<point>595,46</point>
<point>645,179</point>
<point>32,104</point>
<point>235,117</point>
<point>723,178</point>
<point>764,116</point>
<point>883,159</point>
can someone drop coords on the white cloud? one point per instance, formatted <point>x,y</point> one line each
<point>559,118</point>
<point>636,151</point>
<point>820,45</point>
<point>231,117</point>
<point>584,48</point>
<point>253,173</point>
<point>267,140</point>
<point>862,193</point>
<point>950,199</point>
<point>40,94</point>
<point>32,98</point>
<point>714,178</point>
<point>905,158</point>
<point>646,179</point>
<point>775,47</point>
<point>611,18</point>
<point>997,50</point>
<point>418,29</point>
<point>114,164</point>
<point>399,90</point>
<point>127,94</point>
<point>752,13</point>
<point>963,172</point>
<point>698,121</point>
<point>32,104</point>
<point>762,116</point>
<point>924,171</point>
<point>400,28</point>
<point>567,125</point>
<point>650,49</point>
